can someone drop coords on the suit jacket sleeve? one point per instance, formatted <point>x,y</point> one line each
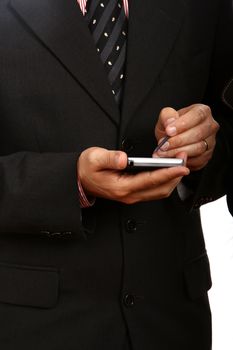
<point>211,182</point>
<point>39,193</point>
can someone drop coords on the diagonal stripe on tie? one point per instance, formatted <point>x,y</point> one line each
<point>108,24</point>
<point>117,67</point>
<point>91,8</point>
<point>103,21</point>
<point>114,36</point>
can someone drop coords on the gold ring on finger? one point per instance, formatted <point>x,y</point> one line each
<point>206,145</point>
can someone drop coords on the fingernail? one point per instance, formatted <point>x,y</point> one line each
<point>171,130</point>
<point>170,120</point>
<point>165,146</point>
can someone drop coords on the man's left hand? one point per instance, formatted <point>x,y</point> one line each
<point>192,130</point>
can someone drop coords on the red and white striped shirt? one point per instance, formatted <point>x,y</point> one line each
<point>83,4</point>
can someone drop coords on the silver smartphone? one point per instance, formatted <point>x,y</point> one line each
<point>136,163</point>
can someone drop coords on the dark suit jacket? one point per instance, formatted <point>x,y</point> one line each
<point>228,100</point>
<point>84,279</point>
<point>222,87</point>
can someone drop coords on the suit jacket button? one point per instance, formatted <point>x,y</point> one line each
<point>131,226</point>
<point>66,234</point>
<point>128,300</point>
<point>47,233</point>
<point>52,234</point>
<point>127,145</point>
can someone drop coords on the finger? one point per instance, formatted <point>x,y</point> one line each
<point>184,110</point>
<point>153,193</point>
<point>192,149</point>
<point>204,131</point>
<point>182,155</point>
<point>152,179</point>
<point>196,163</point>
<point>167,115</point>
<point>197,115</point>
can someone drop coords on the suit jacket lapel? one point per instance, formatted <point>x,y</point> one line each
<point>60,25</point>
<point>153,28</point>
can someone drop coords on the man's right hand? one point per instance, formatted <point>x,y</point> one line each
<point>101,173</point>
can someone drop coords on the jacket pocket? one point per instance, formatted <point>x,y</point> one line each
<point>197,276</point>
<point>29,286</point>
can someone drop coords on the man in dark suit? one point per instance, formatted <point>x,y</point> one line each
<point>130,269</point>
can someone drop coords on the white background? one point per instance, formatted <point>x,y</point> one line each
<point>218,230</point>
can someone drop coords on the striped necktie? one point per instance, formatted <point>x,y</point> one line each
<point>108,24</point>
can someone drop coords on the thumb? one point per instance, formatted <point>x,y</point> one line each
<point>114,160</point>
